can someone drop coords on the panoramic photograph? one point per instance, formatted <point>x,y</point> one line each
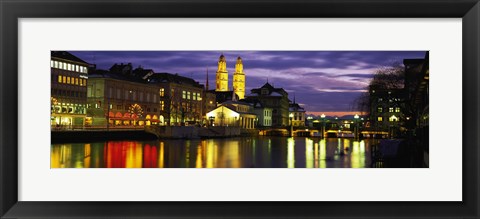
<point>239,109</point>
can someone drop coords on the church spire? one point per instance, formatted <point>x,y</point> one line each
<point>221,79</point>
<point>239,79</point>
<point>206,84</point>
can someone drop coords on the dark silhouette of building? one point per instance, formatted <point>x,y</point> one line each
<point>417,92</point>
<point>386,110</point>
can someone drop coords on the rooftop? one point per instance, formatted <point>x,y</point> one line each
<point>67,56</point>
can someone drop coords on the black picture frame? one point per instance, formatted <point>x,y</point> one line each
<point>12,10</point>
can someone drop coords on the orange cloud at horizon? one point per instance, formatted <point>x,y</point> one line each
<point>339,114</point>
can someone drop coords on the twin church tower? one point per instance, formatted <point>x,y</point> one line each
<point>238,77</point>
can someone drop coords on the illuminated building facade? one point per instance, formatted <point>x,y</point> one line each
<point>264,114</point>
<point>239,79</point>
<point>222,75</point>
<point>69,76</point>
<point>233,113</point>
<point>181,99</point>
<point>124,101</point>
<point>275,99</point>
<point>298,114</point>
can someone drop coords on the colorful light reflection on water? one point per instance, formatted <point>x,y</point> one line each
<point>259,152</point>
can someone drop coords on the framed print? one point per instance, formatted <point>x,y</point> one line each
<point>239,109</point>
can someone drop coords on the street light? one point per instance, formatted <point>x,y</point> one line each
<point>323,124</point>
<point>356,128</point>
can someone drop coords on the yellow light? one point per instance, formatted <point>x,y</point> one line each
<point>309,156</point>
<point>161,155</point>
<point>210,153</point>
<point>199,160</point>
<point>355,156</point>
<point>290,153</point>
<point>323,153</point>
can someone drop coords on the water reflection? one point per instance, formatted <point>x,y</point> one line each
<point>260,152</point>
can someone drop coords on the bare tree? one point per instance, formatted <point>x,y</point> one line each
<point>362,103</point>
<point>388,77</point>
<point>385,78</point>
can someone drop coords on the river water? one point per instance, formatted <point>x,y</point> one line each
<point>242,152</point>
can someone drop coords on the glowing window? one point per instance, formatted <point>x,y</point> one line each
<point>379,109</point>
<point>76,81</point>
<point>397,109</point>
<point>390,109</point>
<point>162,92</point>
<point>184,94</point>
<point>188,95</point>
<point>393,119</point>
<point>77,68</point>
<point>380,119</point>
<point>59,79</point>
<point>51,64</point>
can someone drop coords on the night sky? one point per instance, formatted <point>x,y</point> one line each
<point>323,82</point>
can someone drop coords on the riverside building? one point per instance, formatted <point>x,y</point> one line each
<point>68,99</point>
